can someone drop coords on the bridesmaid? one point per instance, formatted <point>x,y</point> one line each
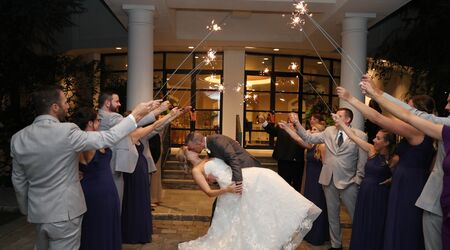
<point>371,204</point>
<point>436,131</point>
<point>403,228</point>
<point>313,190</point>
<point>101,223</point>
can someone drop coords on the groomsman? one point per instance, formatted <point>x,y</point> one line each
<point>45,167</point>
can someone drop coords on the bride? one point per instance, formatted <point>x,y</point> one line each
<point>269,214</point>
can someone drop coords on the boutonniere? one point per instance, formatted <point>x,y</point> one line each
<point>208,151</point>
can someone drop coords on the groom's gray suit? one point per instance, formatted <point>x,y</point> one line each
<point>342,172</point>
<point>45,176</point>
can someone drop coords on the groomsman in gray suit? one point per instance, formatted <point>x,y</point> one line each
<point>124,156</point>
<point>342,171</point>
<point>429,199</point>
<point>45,168</point>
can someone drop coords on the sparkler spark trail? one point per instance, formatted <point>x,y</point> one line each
<point>294,67</point>
<point>214,27</point>
<point>297,16</point>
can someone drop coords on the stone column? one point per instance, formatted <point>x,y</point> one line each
<point>140,53</point>
<point>354,61</point>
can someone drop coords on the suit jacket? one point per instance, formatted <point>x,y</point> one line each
<point>344,164</point>
<point>124,153</point>
<point>429,199</point>
<point>229,150</point>
<point>285,148</point>
<point>45,166</point>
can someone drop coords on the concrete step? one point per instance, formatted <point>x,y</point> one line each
<point>179,184</point>
<point>176,174</point>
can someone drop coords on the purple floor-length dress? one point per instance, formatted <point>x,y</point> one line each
<point>136,211</point>
<point>101,223</point>
<point>319,233</point>
<point>371,206</point>
<point>404,220</point>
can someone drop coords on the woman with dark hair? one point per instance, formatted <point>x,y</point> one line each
<point>101,223</point>
<point>403,228</point>
<point>371,204</point>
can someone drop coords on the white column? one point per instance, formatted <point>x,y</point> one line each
<point>140,53</point>
<point>233,74</point>
<point>354,61</point>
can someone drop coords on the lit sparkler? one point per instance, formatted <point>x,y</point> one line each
<point>298,15</point>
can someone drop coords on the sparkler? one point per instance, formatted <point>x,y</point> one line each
<point>214,27</point>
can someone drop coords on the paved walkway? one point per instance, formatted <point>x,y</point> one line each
<point>183,215</point>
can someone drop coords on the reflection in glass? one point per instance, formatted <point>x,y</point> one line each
<point>210,81</point>
<point>319,83</point>
<point>207,120</point>
<point>258,83</point>
<point>315,66</point>
<point>282,63</point>
<point>216,64</point>
<point>173,61</point>
<point>180,98</point>
<point>115,79</point>
<point>158,59</point>
<point>207,99</point>
<point>257,101</point>
<point>258,62</point>
<point>286,84</point>
<point>178,136</point>
<point>179,81</point>
<point>256,138</point>
<point>286,102</point>
<point>115,62</point>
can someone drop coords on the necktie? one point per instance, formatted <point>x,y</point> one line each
<point>340,139</point>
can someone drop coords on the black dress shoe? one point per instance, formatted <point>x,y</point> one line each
<point>335,248</point>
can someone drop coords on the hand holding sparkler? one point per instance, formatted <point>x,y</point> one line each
<point>343,93</point>
<point>368,87</point>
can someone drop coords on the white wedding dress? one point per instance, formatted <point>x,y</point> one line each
<point>269,214</point>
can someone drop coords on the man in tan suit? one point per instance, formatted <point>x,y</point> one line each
<point>45,168</point>
<point>342,171</point>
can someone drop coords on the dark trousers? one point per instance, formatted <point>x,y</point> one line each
<point>291,172</point>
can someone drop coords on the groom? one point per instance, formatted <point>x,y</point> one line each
<point>225,148</point>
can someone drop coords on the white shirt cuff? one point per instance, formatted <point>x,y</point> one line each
<point>133,119</point>
<point>264,124</point>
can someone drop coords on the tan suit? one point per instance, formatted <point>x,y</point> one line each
<point>45,173</point>
<point>342,172</point>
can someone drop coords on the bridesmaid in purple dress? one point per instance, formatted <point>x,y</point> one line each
<point>319,232</point>
<point>403,228</point>
<point>436,131</point>
<point>371,204</point>
<point>101,223</point>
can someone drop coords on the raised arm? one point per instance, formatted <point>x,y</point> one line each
<point>369,148</point>
<point>392,125</point>
<point>199,178</point>
<point>429,128</point>
<point>291,132</point>
<point>306,136</point>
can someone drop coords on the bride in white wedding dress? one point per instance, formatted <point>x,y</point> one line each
<point>269,214</point>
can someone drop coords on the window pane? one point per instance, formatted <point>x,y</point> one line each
<point>251,120</point>
<point>256,138</point>
<point>178,136</point>
<point>336,104</point>
<point>115,79</point>
<point>182,121</point>
<point>258,62</point>
<point>215,64</point>
<point>259,83</point>
<point>315,66</point>
<point>207,120</point>
<point>157,79</point>
<point>179,81</point>
<point>158,60</point>
<point>174,60</point>
<point>117,62</point>
<point>257,101</point>
<point>338,83</point>
<point>283,64</point>
<point>211,81</point>
<point>336,68</point>
<point>286,102</point>
<point>207,99</point>
<point>180,98</point>
<point>286,84</point>
<point>319,84</point>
